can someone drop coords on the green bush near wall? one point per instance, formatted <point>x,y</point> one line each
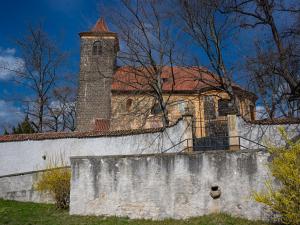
<point>284,202</point>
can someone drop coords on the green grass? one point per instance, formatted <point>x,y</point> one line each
<point>21,213</point>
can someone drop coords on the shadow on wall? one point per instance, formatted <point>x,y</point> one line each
<point>173,185</point>
<point>30,153</point>
<point>268,135</point>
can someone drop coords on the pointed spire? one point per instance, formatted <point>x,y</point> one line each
<point>100,26</point>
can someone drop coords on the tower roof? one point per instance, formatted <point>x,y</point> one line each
<point>100,26</point>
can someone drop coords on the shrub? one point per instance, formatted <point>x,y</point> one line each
<point>284,200</point>
<point>56,181</point>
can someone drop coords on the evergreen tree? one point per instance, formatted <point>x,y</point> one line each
<point>24,127</point>
<point>5,132</point>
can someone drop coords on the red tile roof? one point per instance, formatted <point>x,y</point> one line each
<point>276,121</point>
<point>100,26</point>
<point>177,79</point>
<point>102,125</point>
<point>77,134</point>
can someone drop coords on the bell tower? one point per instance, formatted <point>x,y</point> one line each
<point>98,52</point>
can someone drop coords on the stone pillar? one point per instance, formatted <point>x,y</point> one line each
<point>188,134</point>
<point>234,143</point>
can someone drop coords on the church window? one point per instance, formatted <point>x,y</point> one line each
<point>209,108</point>
<point>129,104</point>
<point>252,112</point>
<point>182,106</point>
<point>97,48</point>
<point>156,109</point>
<point>224,107</point>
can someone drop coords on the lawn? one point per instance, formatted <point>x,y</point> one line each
<point>20,213</point>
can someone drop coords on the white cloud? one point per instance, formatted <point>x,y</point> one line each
<point>9,114</point>
<point>9,62</point>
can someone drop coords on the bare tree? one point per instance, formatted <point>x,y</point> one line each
<point>275,69</point>
<point>148,41</point>
<point>42,60</point>
<point>210,30</point>
<point>61,112</point>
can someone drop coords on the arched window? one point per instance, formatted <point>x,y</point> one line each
<point>156,109</point>
<point>97,48</point>
<point>129,104</point>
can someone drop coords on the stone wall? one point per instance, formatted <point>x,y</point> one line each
<point>169,185</point>
<point>30,155</point>
<point>20,187</point>
<point>139,113</point>
<point>96,70</point>
<point>268,135</point>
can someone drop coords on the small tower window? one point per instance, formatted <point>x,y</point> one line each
<point>97,48</point>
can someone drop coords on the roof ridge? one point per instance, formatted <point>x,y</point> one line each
<point>100,26</point>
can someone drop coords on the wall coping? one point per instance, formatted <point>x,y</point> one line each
<point>245,151</point>
<point>77,134</point>
<point>74,158</point>
<point>274,121</point>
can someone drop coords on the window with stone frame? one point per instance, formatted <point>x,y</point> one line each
<point>209,108</point>
<point>224,107</point>
<point>97,48</point>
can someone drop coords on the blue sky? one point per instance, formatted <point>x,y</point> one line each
<point>61,19</point>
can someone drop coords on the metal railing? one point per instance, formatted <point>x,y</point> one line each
<point>250,141</point>
<point>211,143</point>
<point>224,143</point>
<point>181,142</point>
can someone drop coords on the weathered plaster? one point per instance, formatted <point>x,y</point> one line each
<point>21,188</point>
<point>268,135</point>
<point>169,185</point>
<point>24,156</point>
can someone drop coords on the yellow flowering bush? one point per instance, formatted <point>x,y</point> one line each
<point>56,181</point>
<point>284,200</point>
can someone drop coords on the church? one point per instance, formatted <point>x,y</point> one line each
<point>119,98</point>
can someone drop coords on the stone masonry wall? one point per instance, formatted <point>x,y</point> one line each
<point>168,185</point>
<point>94,94</point>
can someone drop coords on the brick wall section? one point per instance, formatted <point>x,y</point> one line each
<point>94,95</point>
